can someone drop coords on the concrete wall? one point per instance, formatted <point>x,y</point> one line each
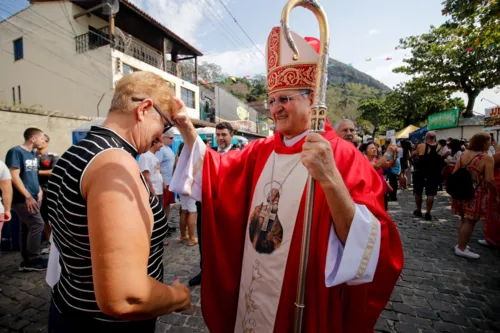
<point>57,125</point>
<point>465,132</point>
<point>52,75</point>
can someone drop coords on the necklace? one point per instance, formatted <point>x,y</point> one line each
<point>286,177</point>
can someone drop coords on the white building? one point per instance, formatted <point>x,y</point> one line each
<point>53,58</point>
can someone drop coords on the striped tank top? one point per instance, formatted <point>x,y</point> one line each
<point>73,295</point>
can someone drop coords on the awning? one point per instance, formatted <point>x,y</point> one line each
<point>405,132</point>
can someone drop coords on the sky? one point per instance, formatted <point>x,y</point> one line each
<point>359,29</point>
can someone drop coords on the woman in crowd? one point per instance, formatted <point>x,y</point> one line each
<point>371,152</point>
<point>187,221</point>
<point>451,159</point>
<point>492,220</point>
<point>404,159</point>
<point>480,165</point>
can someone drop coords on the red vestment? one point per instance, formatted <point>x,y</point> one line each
<point>228,184</point>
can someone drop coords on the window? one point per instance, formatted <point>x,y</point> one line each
<point>127,69</point>
<point>187,97</point>
<point>18,49</point>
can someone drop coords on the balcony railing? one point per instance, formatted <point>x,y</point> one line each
<point>100,37</point>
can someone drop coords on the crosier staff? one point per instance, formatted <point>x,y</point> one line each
<point>317,126</point>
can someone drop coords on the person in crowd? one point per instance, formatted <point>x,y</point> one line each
<point>480,165</point>
<point>6,195</point>
<point>167,157</point>
<point>224,137</point>
<point>107,223</point>
<point>452,156</point>
<point>187,221</point>
<point>387,161</point>
<point>394,172</point>
<point>427,173</point>
<point>492,220</point>
<point>345,129</point>
<point>491,150</point>
<point>23,165</point>
<point>253,209</point>
<point>443,147</point>
<point>46,163</point>
<point>404,160</point>
<point>150,167</point>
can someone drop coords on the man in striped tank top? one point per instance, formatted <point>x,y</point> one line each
<point>108,226</point>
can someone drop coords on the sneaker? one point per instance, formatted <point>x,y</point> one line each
<point>21,266</point>
<point>417,213</point>
<point>45,250</point>
<point>195,281</point>
<point>483,242</point>
<point>468,247</point>
<point>36,266</point>
<point>466,254</point>
<point>428,217</point>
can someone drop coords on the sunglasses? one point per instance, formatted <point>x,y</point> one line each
<point>169,123</point>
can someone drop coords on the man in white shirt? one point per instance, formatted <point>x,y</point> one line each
<point>6,198</point>
<point>149,165</point>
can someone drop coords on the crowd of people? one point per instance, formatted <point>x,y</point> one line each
<point>105,205</point>
<point>429,165</point>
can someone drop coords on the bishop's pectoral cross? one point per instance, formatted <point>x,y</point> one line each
<point>268,216</point>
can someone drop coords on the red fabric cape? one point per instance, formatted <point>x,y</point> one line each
<point>228,184</point>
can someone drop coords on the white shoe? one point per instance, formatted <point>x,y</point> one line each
<point>45,250</point>
<point>483,242</point>
<point>468,247</point>
<point>466,254</point>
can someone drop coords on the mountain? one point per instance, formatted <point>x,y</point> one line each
<point>340,73</point>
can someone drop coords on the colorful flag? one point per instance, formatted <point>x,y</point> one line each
<point>388,58</point>
<point>469,49</point>
<point>223,80</point>
<point>248,76</point>
<point>350,64</point>
<point>331,65</point>
<point>368,59</point>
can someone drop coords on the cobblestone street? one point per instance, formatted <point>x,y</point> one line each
<point>437,291</point>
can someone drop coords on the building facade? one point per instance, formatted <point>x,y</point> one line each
<point>67,56</point>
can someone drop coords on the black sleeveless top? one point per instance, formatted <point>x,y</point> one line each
<point>430,163</point>
<point>73,295</point>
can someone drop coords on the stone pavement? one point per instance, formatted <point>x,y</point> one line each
<point>437,291</point>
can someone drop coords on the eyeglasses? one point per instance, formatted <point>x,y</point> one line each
<point>283,100</point>
<point>169,123</point>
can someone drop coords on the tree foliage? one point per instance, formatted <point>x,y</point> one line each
<point>461,55</point>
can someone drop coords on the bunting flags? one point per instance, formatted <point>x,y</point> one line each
<point>388,58</point>
<point>368,59</point>
<point>248,76</point>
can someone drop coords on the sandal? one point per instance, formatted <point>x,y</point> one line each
<point>182,239</point>
<point>193,243</point>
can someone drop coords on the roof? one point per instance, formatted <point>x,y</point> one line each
<point>472,121</point>
<point>90,3</point>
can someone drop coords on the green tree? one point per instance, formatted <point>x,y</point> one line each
<point>484,14</point>
<point>373,110</point>
<point>450,59</point>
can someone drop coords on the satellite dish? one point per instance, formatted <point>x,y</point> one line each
<point>110,7</point>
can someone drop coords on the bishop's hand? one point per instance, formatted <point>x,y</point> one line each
<point>317,157</point>
<point>180,115</point>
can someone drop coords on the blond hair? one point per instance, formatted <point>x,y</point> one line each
<point>143,85</point>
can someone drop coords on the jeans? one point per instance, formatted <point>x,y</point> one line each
<point>30,235</point>
<point>393,181</point>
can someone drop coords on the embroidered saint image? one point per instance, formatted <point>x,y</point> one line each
<point>265,230</point>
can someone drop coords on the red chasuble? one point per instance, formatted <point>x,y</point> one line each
<point>228,184</point>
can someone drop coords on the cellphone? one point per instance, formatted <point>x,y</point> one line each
<point>393,140</point>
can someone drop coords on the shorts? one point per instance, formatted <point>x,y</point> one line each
<point>168,197</point>
<point>188,203</point>
<point>420,181</point>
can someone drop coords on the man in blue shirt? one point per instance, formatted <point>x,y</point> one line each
<point>167,159</point>
<point>23,164</point>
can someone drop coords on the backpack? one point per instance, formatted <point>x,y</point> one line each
<point>460,184</point>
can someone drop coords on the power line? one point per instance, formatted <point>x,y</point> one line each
<point>241,28</point>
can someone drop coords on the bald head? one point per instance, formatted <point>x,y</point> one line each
<point>346,129</point>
